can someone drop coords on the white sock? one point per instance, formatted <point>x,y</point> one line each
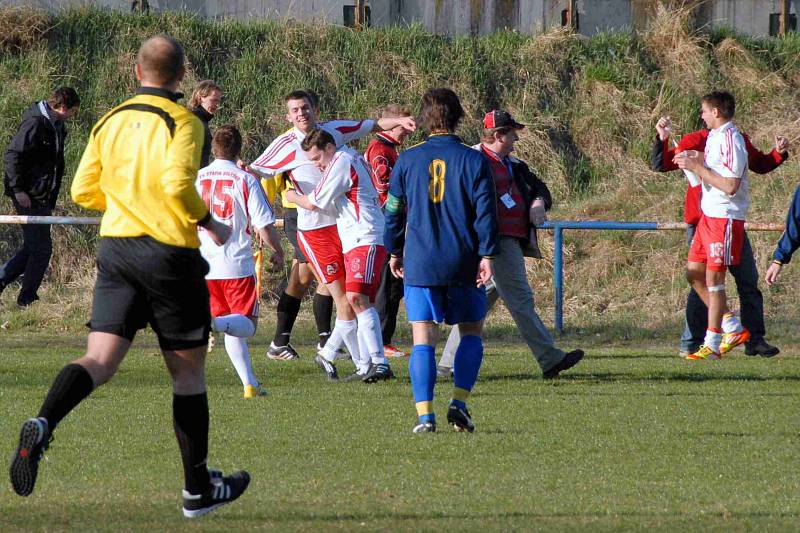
<point>731,323</point>
<point>713,340</point>
<point>332,345</point>
<point>240,357</point>
<point>369,329</point>
<point>342,334</point>
<point>236,325</point>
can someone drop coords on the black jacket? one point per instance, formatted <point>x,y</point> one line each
<point>531,188</point>
<point>34,159</point>
<point>205,117</point>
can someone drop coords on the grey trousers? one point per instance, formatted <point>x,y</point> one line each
<point>511,285</point>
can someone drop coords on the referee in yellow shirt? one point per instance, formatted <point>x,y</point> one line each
<point>139,169</point>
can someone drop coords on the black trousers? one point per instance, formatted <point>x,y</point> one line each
<point>30,261</point>
<point>387,301</point>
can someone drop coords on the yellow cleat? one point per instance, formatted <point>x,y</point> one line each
<point>732,340</point>
<point>251,391</point>
<point>704,352</point>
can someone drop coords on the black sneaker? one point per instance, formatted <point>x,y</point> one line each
<point>282,353</point>
<point>424,427</point>
<point>460,419</point>
<point>570,359</point>
<point>34,438</point>
<point>379,372</point>
<point>762,348</point>
<point>328,367</point>
<point>217,495</point>
<point>355,376</point>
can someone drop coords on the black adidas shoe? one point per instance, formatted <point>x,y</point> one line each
<point>328,367</point>
<point>379,372</point>
<point>218,494</point>
<point>282,353</point>
<point>34,438</point>
<point>425,427</point>
<point>460,419</point>
<point>355,376</point>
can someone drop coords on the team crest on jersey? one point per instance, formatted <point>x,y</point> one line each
<point>355,266</point>
<point>331,269</point>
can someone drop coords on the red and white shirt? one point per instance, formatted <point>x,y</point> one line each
<point>347,188</point>
<point>236,199</point>
<point>725,153</point>
<point>284,154</point>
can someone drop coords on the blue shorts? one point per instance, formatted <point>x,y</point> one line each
<point>452,305</point>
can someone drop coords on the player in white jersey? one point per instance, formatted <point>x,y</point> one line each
<point>285,154</point>
<point>719,238</point>
<point>236,199</point>
<point>351,264</point>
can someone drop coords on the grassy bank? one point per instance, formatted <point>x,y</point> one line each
<point>591,104</point>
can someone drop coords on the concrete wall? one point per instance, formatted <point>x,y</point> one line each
<point>460,17</point>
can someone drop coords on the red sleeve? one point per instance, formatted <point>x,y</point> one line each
<point>691,141</point>
<point>381,159</point>
<point>760,162</point>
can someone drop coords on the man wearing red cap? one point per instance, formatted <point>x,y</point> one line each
<point>522,199</point>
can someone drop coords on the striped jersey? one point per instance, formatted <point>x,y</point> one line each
<point>236,199</point>
<point>285,155</point>
<point>725,153</point>
<point>347,189</point>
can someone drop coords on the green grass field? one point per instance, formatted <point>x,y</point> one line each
<point>634,438</point>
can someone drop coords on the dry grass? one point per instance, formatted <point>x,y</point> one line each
<point>22,27</point>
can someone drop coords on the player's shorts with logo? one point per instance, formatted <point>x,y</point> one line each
<point>290,227</point>
<point>452,305</point>
<point>363,265</point>
<point>717,243</point>
<point>142,281</point>
<point>237,296</point>
<point>323,249</point>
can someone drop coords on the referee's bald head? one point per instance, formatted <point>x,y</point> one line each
<point>160,60</point>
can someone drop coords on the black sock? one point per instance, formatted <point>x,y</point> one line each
<point>71,385</point>
<point>288,307</point>
<point>323,310</point>
<point>190,420</point>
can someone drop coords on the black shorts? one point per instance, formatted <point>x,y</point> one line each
<point>290,227</point>
<point>142,281</point>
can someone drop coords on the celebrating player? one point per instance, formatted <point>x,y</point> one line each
<point>237,200</point>
<point>441,231</point>
<point>745,273</point>
<point>720,231</point>
<point>381,155</point>
<point>347,257</point>
<point>284,154</point>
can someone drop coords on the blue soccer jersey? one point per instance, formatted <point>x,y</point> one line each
<point>441,213</point>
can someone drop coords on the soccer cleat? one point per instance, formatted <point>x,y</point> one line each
<point>379,372</point>
<point>424,427</point>
<point>444,372</point>
<point>355,376</point>
<point>217,495</point>
<point>34,438</point>
<point>704,352</point>
<point>732,340</point>
<point>215,475</point>
<point>761,347</point>
<point>328,367</point>
<point>282,353</point>
<point>570,359</point>
<point>254,391</point>
<point>460,419</point>
<point>391,351</point>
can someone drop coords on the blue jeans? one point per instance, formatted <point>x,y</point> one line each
<point>751,301</point>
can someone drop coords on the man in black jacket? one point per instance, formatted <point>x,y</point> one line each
<point>34,166</point>
<point>522,199</point>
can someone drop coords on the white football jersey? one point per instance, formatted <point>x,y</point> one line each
<point>285,155</point>
<point>726,154</point>
<point>347,188</point>
<point>236,199</point>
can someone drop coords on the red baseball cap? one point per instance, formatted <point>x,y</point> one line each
<point>497,118</point>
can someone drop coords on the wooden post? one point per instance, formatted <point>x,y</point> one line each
<point>572,10</point>
<point>784,20</point>
<point>361,14</point>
